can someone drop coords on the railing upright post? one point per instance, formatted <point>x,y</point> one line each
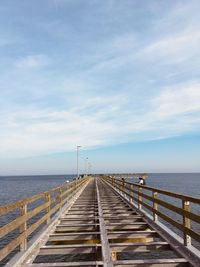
<point>155,205</point>
<point>123,190</point>
<point>186,222</point>
<point>60,198</point>
<point>139,198</point>
<point>74,188</point>
<point>132,193</point>
<point>48,200</point>
<point>23,227</point>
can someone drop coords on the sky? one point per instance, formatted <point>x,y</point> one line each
<point>119,78</point>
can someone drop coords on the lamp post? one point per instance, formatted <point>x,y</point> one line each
<point>78,160</point>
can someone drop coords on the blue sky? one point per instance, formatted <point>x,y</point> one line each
<point>120,78</point>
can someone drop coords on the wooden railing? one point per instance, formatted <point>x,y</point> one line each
<point>140,195</point>
<point>28,209</point>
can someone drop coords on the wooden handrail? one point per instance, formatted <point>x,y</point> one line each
<point>135,193</point>
<point>165,192</point>
<point>53,200</point>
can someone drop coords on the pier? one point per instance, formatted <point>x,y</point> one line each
<point>102,221</point>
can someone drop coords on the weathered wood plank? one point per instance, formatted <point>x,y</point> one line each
<point>67,264</point>
<point>140,247</point>
<point>106,252</point>
<point>68,249</point>
<point>153,262</point>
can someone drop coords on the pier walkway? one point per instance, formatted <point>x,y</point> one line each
<point>99,225</point>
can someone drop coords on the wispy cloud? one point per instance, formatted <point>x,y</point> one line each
<point>99,122</point>
<point>174,48</point>
<point>32,62</point>
<point>178,100</point>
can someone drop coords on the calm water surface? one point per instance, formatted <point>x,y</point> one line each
<point>13,188</point>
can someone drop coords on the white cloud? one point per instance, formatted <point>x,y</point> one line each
<point>100,121</point>
<point>178,100</point>
<point>32,61</point>
<point>174,48</point>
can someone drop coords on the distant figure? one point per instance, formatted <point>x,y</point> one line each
<point>67,181</point>
<point>141,181</point>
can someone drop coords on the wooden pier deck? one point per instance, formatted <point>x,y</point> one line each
<point>99,225</point>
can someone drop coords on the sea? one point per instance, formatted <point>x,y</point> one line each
<point>13,188</point>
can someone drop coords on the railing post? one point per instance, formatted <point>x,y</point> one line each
<point>123,187</point>
<point>60,197</point>
<point>132,188</point>
<point>23,227</point>
<point>186,222</point>
<point>155,205</point>
<point>129,191</point>
<point>48,200</point>
<point>139,198</point>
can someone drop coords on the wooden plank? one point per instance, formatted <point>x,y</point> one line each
<point>114,235</point>
<point>106,252</point>
<point>140,247</point>
<point>126,227</point>
<point>85,212</point>
<point>127,222</point>
<point>77,224</point>
<point>66,264</point>
<point>74,234</point>
<point>79,220</point>
<point>120,217</point>
<point>130,219</point>
<point>153,262</point>
<point>74,229</point>
<point>68,249</point>
<point>76,238</point>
